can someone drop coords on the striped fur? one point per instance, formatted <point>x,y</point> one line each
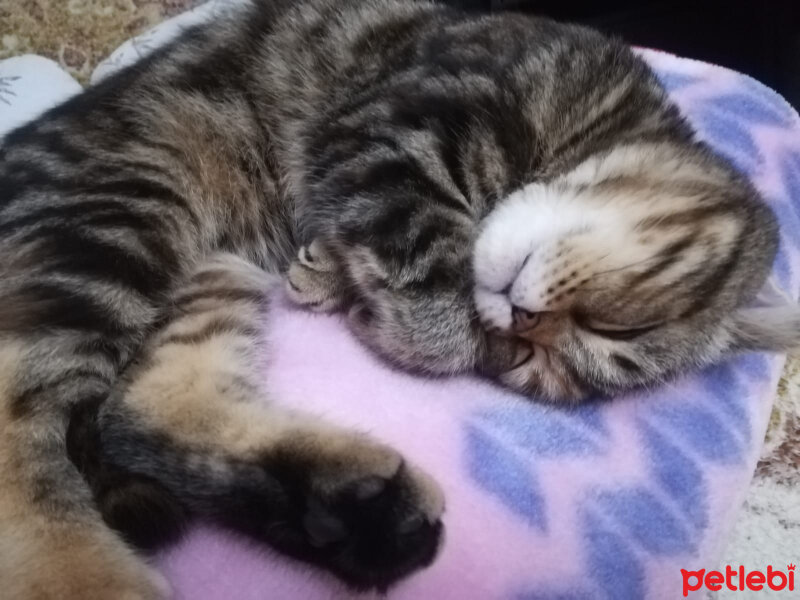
<point>185,434</point>
<point>623,271</point>
<point>402,143</point>
<point>522,198</point>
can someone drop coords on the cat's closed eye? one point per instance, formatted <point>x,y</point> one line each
<point>613,331</point>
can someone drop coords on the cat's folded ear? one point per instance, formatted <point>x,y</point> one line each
<point>767,328</point>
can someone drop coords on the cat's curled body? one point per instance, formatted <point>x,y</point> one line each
<point>408,141</point>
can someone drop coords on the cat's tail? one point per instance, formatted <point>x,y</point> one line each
<point>770,324</point>
<point>53,543</point>
<point>769,329</point>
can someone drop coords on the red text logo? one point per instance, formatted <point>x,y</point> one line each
<point>739,579</point>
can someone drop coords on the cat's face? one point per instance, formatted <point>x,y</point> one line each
<point>630,268</point>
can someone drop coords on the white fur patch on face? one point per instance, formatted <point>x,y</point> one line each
<point>538,245</point>
<point>545,242</point>
<point>494,309</point>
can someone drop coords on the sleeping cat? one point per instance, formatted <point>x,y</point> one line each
<point>497,194</point>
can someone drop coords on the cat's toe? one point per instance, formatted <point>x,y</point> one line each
<point>314,281</point>
<point>358,510</point>
<point>494,310</point>
<point>311,289</point>
<point>376,530</point>
<point>315,256</point>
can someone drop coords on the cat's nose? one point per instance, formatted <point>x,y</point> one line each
<point>524,319</point>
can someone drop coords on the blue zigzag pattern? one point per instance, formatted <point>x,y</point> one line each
<point>667,513</point>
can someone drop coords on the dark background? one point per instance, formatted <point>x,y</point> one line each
<point>760,38</point>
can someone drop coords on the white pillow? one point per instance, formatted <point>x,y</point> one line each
<point>140,46</point>
<point>29,85</point>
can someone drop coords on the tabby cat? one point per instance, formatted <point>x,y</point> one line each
<point>498,194</point>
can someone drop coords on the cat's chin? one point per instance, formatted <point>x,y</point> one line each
<point>514,362</point>
<point>499,355</point>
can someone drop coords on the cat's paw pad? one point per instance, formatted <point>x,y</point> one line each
<point>314,280</point>
<point>368,517</point>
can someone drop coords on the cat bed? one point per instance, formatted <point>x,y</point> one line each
<point>609,501</point>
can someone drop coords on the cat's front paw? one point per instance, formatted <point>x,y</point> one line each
<point>314,279</point>
<point>360,511</point>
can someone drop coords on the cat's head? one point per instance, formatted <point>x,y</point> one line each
<point>637,264</point>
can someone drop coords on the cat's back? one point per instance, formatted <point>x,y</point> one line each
<point>176,130</point>
<point>514,97</point>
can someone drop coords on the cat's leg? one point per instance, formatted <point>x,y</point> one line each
<point>80,282</point>
<point>190,435</point>
<point>54,545</point>
<point>315,280</point>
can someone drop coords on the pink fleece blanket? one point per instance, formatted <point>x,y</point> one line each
<point>609,501</point>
